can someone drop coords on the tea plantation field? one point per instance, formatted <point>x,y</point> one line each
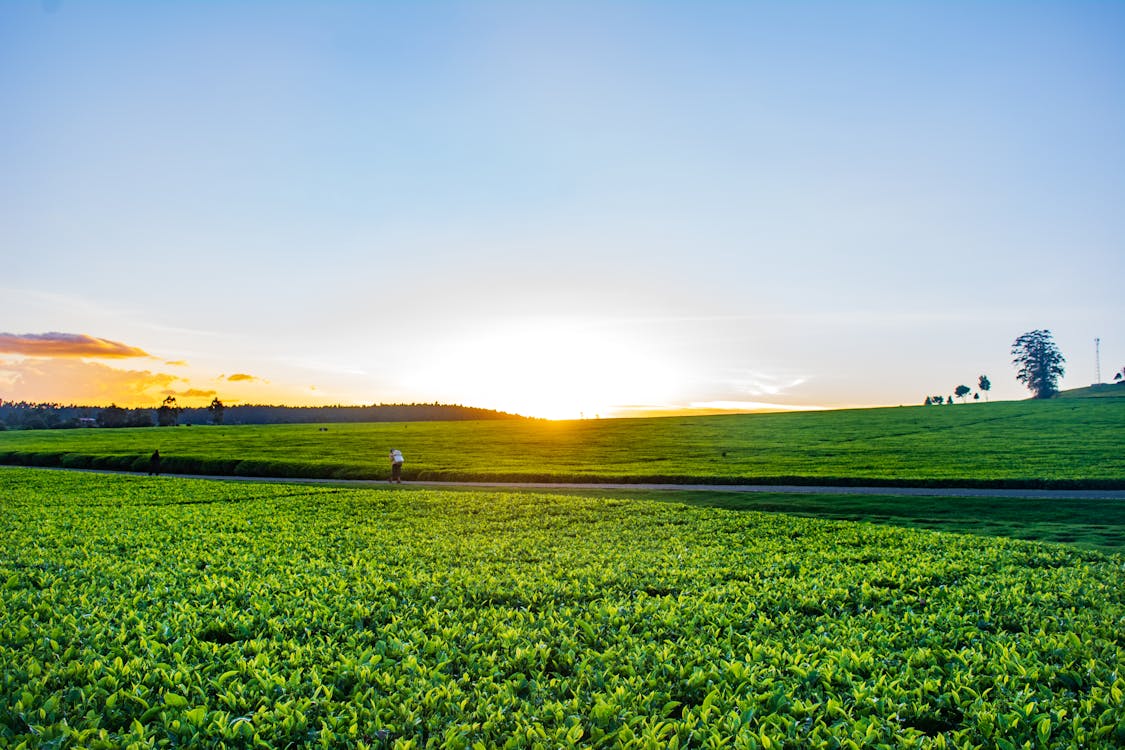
<point>161,612</point>
<point>1061,443</point>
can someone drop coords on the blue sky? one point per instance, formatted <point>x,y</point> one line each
<point>558,208</point>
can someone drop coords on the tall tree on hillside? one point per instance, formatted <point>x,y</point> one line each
<point>216,410</point>
<point>1039,361</point>
<point>961,391</point>
<point>985,385</point>
<point>169,412</point>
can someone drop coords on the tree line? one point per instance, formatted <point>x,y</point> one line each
<point>23,415</point>
<point>1038,363</point>
<point>962,391</point>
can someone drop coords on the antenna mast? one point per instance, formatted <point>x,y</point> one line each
<point>1098,360</point>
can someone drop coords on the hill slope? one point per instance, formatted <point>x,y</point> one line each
<point>1056,443</point>
<point>1102,390</point>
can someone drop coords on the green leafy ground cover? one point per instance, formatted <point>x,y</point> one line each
<point>165,611</point>
<point>1083,523</point>
<point>1060,443</point>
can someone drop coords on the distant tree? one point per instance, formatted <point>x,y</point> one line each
<point>169,412</point>
<point>937,400</point>
<point>112,416</point>
<point>1119,377</point>
<point>949,400</point>
<point>216,410</point>
<point>929,401</point>
<point>961,391</point>
<point>985,385</point>
<point>976,397</point>
<point>1039,361</point>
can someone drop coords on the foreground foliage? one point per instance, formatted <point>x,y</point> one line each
<point>158,612</point>
<point>1065,443</point>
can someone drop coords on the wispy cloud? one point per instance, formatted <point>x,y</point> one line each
<point>56,345</point>
<point>753,383</point>
<point>241,377</point>
<point>697,408</point>
<point>749,406</point>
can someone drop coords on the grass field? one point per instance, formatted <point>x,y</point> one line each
<point>1059,443</point>
<point>161,612</point>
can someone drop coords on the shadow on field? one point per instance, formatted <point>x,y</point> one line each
<point>1085,524</point>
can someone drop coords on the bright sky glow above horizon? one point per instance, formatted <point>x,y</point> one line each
<point>558,209</point>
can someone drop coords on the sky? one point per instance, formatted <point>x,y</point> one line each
<point>560,209</point>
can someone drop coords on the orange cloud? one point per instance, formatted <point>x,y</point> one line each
<point>78,382</point>
<point>240,376</point>
<point>56,344</point>
<point>194,393</point>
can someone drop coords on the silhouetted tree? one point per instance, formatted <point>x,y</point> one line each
<point>169,412</point>
<point>985,385</point>
<point>1039,361</point>
<point>112,416</point>
<point>216,410</point>
<point>961,391</point>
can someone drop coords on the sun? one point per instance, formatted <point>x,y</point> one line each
<point>552,370</point>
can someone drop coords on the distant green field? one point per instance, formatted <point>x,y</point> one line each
<point>165,612</point>
<point>1058,443</point>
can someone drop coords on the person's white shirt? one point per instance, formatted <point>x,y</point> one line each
<point>396,457</point>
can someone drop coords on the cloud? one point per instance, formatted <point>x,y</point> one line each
<point>56,344</point>
<point>176,363</point>
<point>78,382</point>
<point>708,407</point>
<point>194,393</point>
<point>239,377</point>
<point>750,406</point>
<point>740,383</point>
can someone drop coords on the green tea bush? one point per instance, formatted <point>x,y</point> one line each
<point>218,466</point>
<point>360,471</point>
<point>160,612</point>
<point>74,461</point>
<point>256,468</point>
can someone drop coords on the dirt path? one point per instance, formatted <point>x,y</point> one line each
<point>760,488</point>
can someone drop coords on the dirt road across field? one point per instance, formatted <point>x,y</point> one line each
<point>759,488</point>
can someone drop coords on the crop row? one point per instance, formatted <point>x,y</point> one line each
<point>303,468</point>
<point>163,612</point>
<point>189,465</point>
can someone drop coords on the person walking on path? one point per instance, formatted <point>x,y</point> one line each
<point>396,466</point>
<point>154,464</point>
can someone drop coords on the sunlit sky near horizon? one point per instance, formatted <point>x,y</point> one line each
<point>557,209</point>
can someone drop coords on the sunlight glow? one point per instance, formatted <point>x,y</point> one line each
<point>549,369</point>
<point>700,408</point>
